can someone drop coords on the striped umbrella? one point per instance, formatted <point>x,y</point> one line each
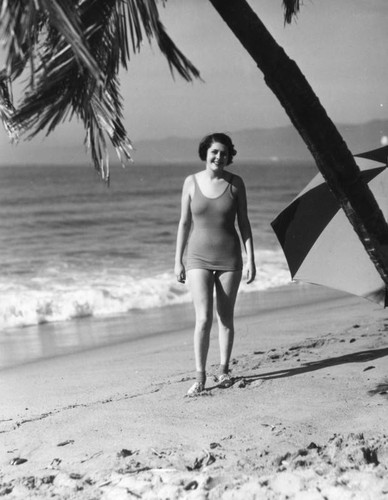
<point>320,244</point>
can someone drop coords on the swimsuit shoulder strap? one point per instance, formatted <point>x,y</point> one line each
<point>196,183</point>
<point>197,189</point>
<point>231,183</point>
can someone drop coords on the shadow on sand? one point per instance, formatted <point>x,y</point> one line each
<point>356,357</point>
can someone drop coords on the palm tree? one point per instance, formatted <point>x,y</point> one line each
<point>74,51</point>
<point>331,154</point>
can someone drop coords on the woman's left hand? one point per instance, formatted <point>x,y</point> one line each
<point>251,272</point>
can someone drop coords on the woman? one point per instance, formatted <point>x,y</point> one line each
<point>211,201</point>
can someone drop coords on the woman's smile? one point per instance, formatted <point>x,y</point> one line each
<point>217,155</point>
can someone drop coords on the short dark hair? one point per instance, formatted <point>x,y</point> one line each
<point>224,139</point>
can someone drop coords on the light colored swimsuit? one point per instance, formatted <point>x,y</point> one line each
<point>214,243</point>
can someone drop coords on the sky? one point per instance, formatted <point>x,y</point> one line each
<point>340,46</point>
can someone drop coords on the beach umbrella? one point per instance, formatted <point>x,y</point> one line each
<point>320,244</point>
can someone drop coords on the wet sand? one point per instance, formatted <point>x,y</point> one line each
<point>107,417</point>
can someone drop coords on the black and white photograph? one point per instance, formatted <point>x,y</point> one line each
<point>193,249</point>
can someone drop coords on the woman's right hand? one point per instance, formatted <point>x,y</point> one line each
<point>180,272</point>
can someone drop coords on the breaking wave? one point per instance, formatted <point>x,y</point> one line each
<point>66,295</point>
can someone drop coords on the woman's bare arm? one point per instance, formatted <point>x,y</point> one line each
<point>245,228</point>
<point>184,227</point>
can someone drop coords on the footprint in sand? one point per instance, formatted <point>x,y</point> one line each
<point>65,443</point>
<point>18,461</point>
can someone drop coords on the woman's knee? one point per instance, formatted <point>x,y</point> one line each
<point>226,320</point>
<point>225,312</point>
<point>204,320</point>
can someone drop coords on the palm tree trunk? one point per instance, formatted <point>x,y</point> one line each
<point>331,154</point>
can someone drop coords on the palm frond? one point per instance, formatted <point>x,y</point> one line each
<point>24,24</point>
<point>73,52</point>
<point>148,18</point>
<point>291,9</point>
<point>6,107</point>
<point>64,18</point>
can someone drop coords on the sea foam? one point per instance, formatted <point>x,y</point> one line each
<point>53,298</point>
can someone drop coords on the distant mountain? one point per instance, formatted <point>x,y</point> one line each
<point>259,144</point>
<point>276,143</point>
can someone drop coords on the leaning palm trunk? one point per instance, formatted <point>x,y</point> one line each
<point>331,154</point>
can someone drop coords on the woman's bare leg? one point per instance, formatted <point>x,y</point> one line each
<point>227,284</point>
<point>201,283</point>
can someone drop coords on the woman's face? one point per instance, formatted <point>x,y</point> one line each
<point>217,155</point>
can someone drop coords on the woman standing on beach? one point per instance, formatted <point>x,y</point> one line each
<point>211,201</point>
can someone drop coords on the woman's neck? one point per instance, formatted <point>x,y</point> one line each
<point>213,174</point>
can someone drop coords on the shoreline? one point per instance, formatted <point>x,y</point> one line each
<point>31,344</point>
<point>305,418</point>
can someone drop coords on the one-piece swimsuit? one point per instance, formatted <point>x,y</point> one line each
<point>214,243</point>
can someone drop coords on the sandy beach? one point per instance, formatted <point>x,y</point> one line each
<point>305,419</point>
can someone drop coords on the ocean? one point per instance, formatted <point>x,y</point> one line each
<point>73,248</point>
